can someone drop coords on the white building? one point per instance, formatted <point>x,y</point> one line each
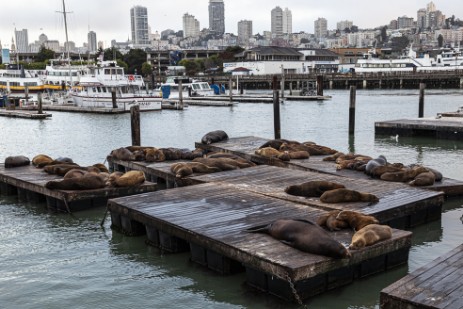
<point>139,25</point>
<point>343,25</point>
<point>22,41</point>
<point>190,26</point>
<point>244,31</point>
<point>321,27</point>
<point>277,21</point>
<point>287,21</point>
<point>92,47</point>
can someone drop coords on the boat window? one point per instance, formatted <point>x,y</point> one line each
<point>98,89</point>
<point>103,89</point>
<point>205,86</point>
<point>120,71</point>
<point>195,86</point>
<point>107,71</point>
<point>93,89</point>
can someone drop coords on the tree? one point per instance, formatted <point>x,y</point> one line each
<point>191,67</point>
<point>384,34</point>
<point>135,59</point>
<point>146,69</point>
<point>44,54</point>
<point>112,54</point>
<point>399,43</point>
<point>440,40</point>
<point>98,53</point>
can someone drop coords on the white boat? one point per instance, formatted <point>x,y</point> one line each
<point>60,75</point>
<point>15,79</point>
<point>190,88</point>
<point>408,63</point>
<point>96,87</point>
<point>450,58</point>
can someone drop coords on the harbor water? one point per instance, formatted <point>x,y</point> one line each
<point>50,260</point>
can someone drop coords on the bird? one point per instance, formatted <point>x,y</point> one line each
<point>396,137</point>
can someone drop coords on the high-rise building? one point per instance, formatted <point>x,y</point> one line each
<point>287,21</point>
<point>22,41</point>
<point>190,26</point>
<point>343,25</point>
<point>92,47</point>
<point>421,19</point>
<point>277,21</point>
<point>217,17</point>
<point>321,27</point>
<point>244,31</point>
<point>405,22</point>
<point>139,24</point>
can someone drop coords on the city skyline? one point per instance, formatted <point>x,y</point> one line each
<point>112,22</point>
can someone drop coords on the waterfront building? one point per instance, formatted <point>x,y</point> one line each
<point>190,26</point>
<point>405,22</point>
<point>139,25</point>
<point>70,45</point>
<point>321,27</point>
<point>217,17</point>
<point>287,21</point>
<point>91,38</point>
<point>22,41</point>
<point>244,31</point>
<point>343,25</point>
<point>277,21</point>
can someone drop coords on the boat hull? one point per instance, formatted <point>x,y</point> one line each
<point>145,103</point>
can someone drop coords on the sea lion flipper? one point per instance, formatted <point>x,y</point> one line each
<point>258,229</point>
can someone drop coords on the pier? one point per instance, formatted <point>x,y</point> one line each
<point>210,221</point>
<point>14,113</point>
<point>435,285</point>
<point>28,183</point>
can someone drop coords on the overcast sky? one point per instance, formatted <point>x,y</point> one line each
<point>110,19</point>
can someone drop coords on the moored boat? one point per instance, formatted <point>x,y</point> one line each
<point>16,79</point>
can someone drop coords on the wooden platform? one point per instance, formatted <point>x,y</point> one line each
<point>445,127</point>
<point>246,146</point>
<point>400,205</point>
<point>15,113</point>
<point>211,221</point>
<point>436,285</point>
<point>28,182</point>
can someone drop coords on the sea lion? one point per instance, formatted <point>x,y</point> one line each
<point>223,164</point>
<point>111,179</point>
<point>437,175</point>
<point>183,169</point>
<point>299,155</point>
<point>16,161</point>
<point>270,152</point>
<point>377,171</point>
<point>370,235</point>
<point>331,222</point>
<point>276,143</point>
<point>63,160</point>
<point>356,220</point>
<point>379,161</point>
<point>345,195</point>
<point>88,181</point>
<point>305,236</point>
<point>333,157</point>
<point>214,137</point>
<point>318,150</point>
<point>126,155</point>
<point>350,163</point>
<point>73,173</point>
<point>423,179</point>
<point>130,179</point>
<point>101,167</point>
<point>312,188</point>
<point>404,175</point>
<point>61,169</point>
<point>41,160</point>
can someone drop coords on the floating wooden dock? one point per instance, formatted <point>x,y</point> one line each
<point>246,146</point>
<point>77,109</point>
<point>210,220</point>
<point>15,113</point>
<point>28,182</point>
<point>444,127</point>
<point>436,285</point>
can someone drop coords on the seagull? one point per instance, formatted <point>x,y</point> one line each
<point>396,137</point>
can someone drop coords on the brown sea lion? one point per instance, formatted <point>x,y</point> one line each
<point>41,160</point>
<point>319,150</point>
<point>111,179</point>
<point>16,161</point>
<point>270,152</point>
<point>379,161</point>
<point>88,181</point>
<point>73,173</point>
<point>333,157</point>
<point>299,155</point>
<point>229,156</point>
<point>61,169</point>
<point>305,236</point>
<point>214,137</point>
<point>126,155</point>
<point>423,179</point>
<point>404,175</point>
<point>223,164</point>
<point>313,188</point>
<point>356,220</point>
<point>350,163</point>
<point>276,143</point>
<point>101,167</point>
<point>377,171</point>
<point>293,147</point>
<point>370,235</point>
<point>346,195</point>
<point>183,169</point>
<point>130,179</point>
<point>437,175</point>
<point>331,222</point>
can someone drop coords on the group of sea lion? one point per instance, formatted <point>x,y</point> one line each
<point>415,174</point>
<point>153,154</point>
<point>311,237</point>
<point>286,150</point>
<point>330,192</point>
<point>76,177</point>
<point>211,163</point>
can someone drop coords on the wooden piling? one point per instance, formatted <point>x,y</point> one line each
<point>135,125</point>
<point>282,83</point>
<point>320,85</point>
<point>353,90</point>
<point>113,97</point>
<point>180,94</point>
<point>276,109</point>
<point>421,101</point>
<point>230,88</point>
<point>39,99</point>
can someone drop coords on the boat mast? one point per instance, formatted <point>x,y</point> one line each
<point>67,41</point>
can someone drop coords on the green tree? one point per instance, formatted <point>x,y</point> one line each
<point>112,54</point>
<point>146,69</point>
<point>97,54</point>
<point>135,59</point>
<point>399,43</point>
<point>191,67</point>
<point>440,40</point>
<point>44,54</point>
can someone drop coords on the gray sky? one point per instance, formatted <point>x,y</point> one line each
<point>110,19</point>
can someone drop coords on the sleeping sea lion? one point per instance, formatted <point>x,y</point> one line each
<point>270,152</point>
<point>370,235</point>
<point>73,173</point>
<point>88,181</point>
<point>214,137</point>
<point>356,220</point>
<point>223,164</point>
<point>345,195</point>
<point>41,160</point>
<point>16,161</point>
<point>313,188</point>
<point>379,161</point>
<point>305,236</point>
<point>130,179</point>
<point>423,179</point>
<point>183,169</point>
<point>331,222</point>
